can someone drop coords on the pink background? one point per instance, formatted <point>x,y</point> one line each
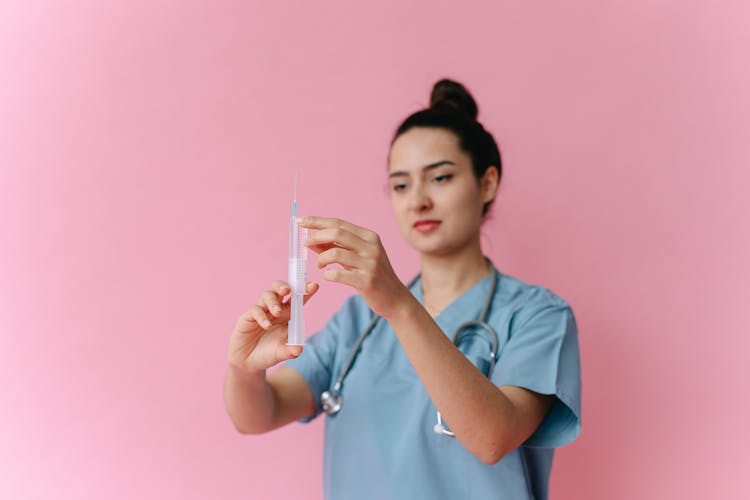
<point>147,154</point>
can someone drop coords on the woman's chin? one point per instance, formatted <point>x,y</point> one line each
<point>431,248</point>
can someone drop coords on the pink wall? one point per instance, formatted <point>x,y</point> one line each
<point>147,153</point>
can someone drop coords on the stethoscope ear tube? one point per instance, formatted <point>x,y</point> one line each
<point>332,400</point>
<point>464,331</point>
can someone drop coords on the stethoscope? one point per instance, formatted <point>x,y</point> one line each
<point>332,399</point>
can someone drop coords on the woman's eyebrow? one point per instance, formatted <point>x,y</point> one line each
<point>401,173</point>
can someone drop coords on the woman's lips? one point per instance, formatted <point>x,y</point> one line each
<point>426,226</point>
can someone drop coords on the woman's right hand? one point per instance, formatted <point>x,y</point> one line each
<point>258,341</point>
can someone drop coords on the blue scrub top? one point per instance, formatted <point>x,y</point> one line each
<point>381,445</point>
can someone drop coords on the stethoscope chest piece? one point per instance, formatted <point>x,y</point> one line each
<point>331,401</point>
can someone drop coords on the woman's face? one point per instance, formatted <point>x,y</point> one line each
<point>435,195</point>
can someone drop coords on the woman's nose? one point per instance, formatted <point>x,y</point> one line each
<point>419,199</point>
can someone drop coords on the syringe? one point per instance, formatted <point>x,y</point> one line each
<point>297,275</point>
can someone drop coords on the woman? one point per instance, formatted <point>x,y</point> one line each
<point>444,171</point>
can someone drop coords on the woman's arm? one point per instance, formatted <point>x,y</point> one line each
<point>258,404</point>
<point>255,402</point>
<point>489,421</point>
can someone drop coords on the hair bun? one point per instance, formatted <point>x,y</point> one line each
<point>450,95</point>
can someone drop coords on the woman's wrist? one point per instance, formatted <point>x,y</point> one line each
<point>245,375</point>
<point>406,306</point>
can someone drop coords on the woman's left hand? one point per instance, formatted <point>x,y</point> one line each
<point>364,263</point>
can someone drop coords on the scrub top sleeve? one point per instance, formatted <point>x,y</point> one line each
<point>542,355</point>
<point>316,362</point>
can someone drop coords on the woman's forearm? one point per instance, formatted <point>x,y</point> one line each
<point>476,410</point>
<point>249,400</point>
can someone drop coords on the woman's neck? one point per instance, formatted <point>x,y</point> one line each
<point>445,277</point>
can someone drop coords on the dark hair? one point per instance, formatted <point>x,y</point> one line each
<point>453,108</point>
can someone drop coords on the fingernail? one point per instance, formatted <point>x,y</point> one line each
<point>276,309</point>
<point>299,220</point>
<point>266,322</point>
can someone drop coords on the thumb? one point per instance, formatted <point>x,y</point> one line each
<point>312,288</point>
<point>286,352</point>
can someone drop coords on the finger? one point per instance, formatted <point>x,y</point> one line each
<point>322,240</point>
<point>312,287</point>
<point>343,276</point>
<point>260,317</point>
<point>313,222</point>
<point>346,258</point>
<point>246,323</point>
<point>271,301</point>
<point>281,287</point>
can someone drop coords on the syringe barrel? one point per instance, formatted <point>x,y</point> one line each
<point>297,237</point>
<point>296,322</point>
<point>297,281</point>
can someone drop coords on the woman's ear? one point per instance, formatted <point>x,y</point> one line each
<point>489,183</point>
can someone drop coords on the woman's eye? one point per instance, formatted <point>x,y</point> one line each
<point>443,178</point>
<point>399,187</point>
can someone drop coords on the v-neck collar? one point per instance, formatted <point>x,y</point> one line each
<point>465,307</point>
